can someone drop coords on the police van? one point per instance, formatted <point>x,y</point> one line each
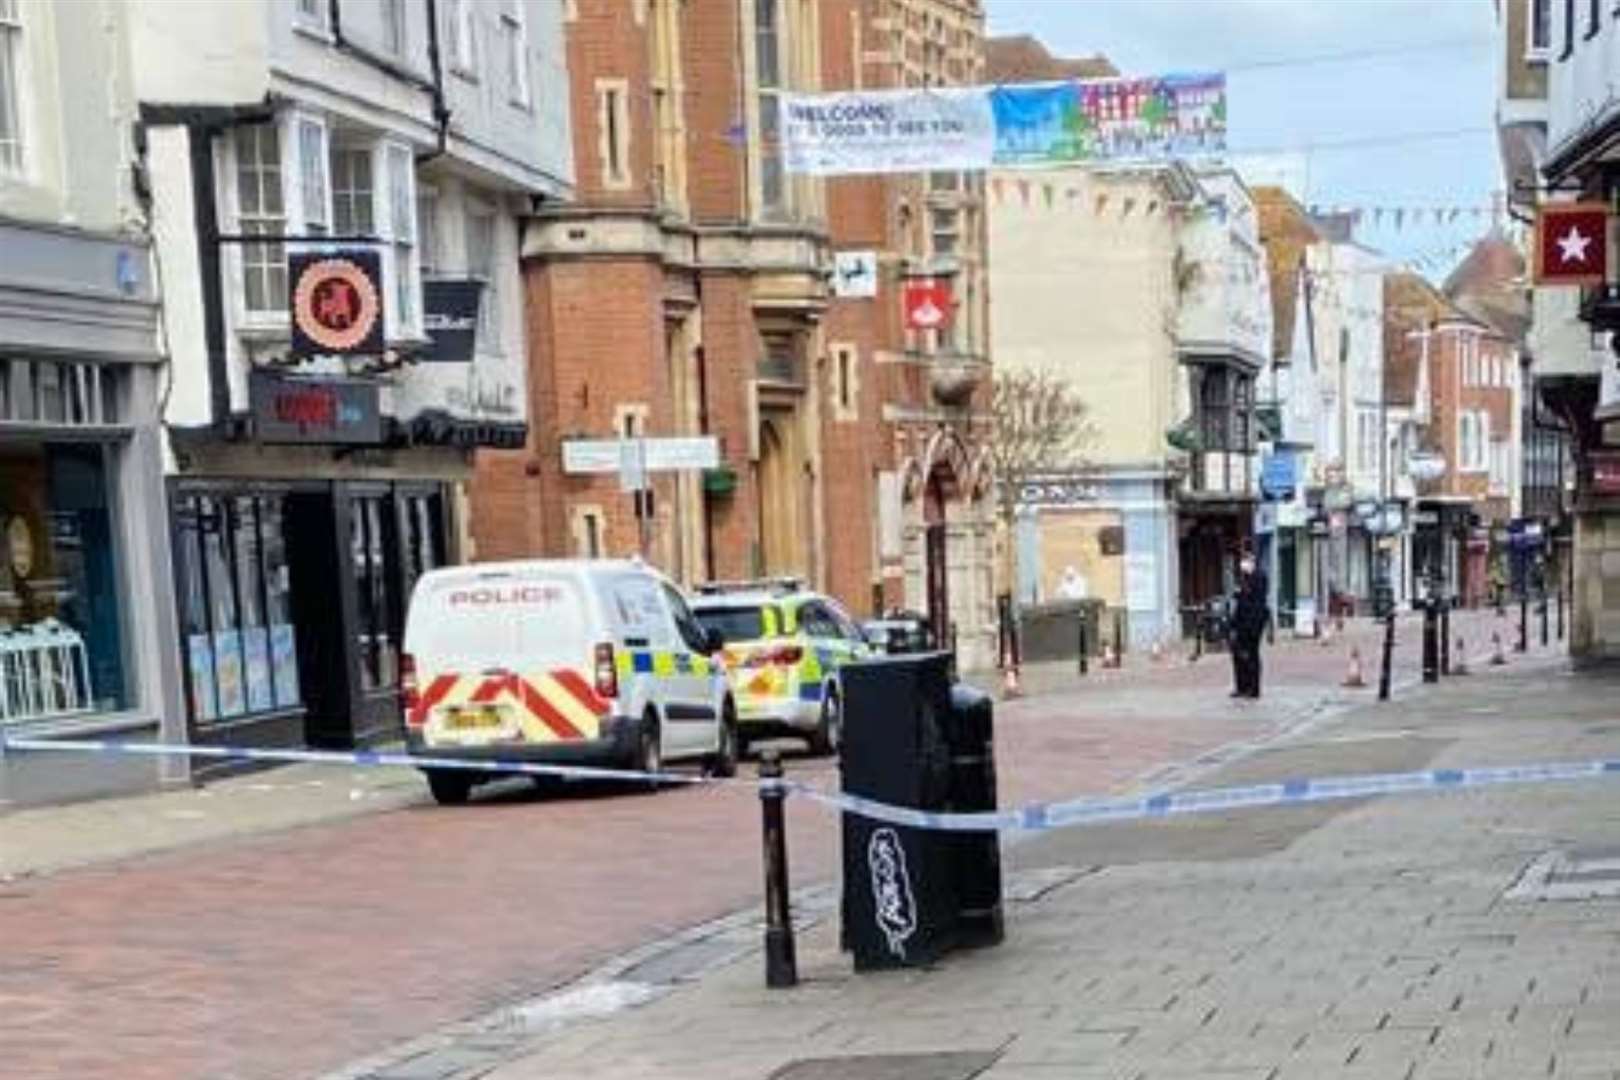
<point>594,662</point>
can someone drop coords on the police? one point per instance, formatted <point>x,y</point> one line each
<point>1251,614</point>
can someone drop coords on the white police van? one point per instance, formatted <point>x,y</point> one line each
<point>595,662</point>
